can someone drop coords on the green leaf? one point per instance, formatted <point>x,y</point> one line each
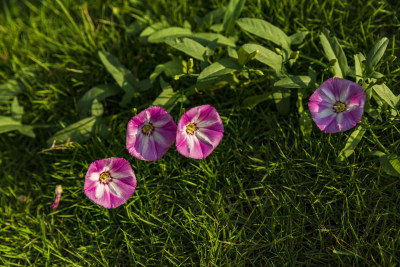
<point>8,124</point>
<point>231,15</point>
<point>9,89</point>
<point>211,40</point>
<point>171,68</point>
<point>265,30</point>
<point>386,95</point>
<point>253,101</point>
<point>99,92</point>
<point>124,78</point>
<point>134,28</point>
<point>97,108</point>
<point>294,82</point>
<point>333,51</point>
<point>224,66</point>
<point>390,164</point>
<point>376,53</point>
<point>16,110</point>
<point>152,29</point>
<point>170,32</point>
<point>297,38</point>
<point>282,100</point>
<point>352,142</point>
<point>358,59</point>
<point>188,46</point>
<point>216,27</point>
<point>265,56</point>
<point>13,123</point>
<point>305,120</point>
<point>78,131</point>
<point>168,98</point>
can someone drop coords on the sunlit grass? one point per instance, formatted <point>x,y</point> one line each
<point>266,196</point>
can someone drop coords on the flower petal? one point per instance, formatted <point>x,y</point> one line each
<point>100,189</point>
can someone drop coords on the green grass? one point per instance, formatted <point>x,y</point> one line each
<point>266,196</point>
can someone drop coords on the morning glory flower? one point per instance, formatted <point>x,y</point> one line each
<point>200,130</point>
<point>337,105</point>
<point>110,182</point>
<point>150,134</point>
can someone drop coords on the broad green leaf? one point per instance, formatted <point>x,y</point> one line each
<point>390,164</point>
<point>352,142</point>
<point>8,124</point>
<point>216,27</point>
<point>224,66</point>
<point>144,35</point>
<point>211,40</point>
<point>376,53</point>
<point>12,123</point>
<point>16,110</point>
<point>99,92</point>
<point>253,101</point>
<point>188,46</point>
<point>122,76</point>
<point>333,51</point>
<point>358,59</point>
<point>78,131</point>
<point>265,30</point>
<point>211,17</point>
<point>168,98</point>
<point>231,15</point>
<point>170,32</point>
<point>97,108</point>
<point>265,56</point>
<point>282,100</point>
<point>171,68</point>
<point>386,94</point>
<point>9,89</point>
<point>294,82</point>
<point>297,38</point>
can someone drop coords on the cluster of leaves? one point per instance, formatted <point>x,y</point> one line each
<point>270,58</point>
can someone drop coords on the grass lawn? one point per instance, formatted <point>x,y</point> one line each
<point>269,195</point>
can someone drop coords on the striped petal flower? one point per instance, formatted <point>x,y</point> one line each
<point>110,182</point>
<point>200,130</point>
<point>150,134</point>
<point>337,105</point>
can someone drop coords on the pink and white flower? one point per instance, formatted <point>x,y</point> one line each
<point>337,105</point>
<point>150,134</point>
<point>200,130</point>
<point>110,182</point>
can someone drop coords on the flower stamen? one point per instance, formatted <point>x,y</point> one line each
<point>148,129</point>
<point>191,128</point>
<point>105,178</point>
<point>339,107</point>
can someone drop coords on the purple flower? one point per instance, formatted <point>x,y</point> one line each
<point>110,182</point>
<point>337,105</point>
<point>150,134</point>
<point>200,130</point>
